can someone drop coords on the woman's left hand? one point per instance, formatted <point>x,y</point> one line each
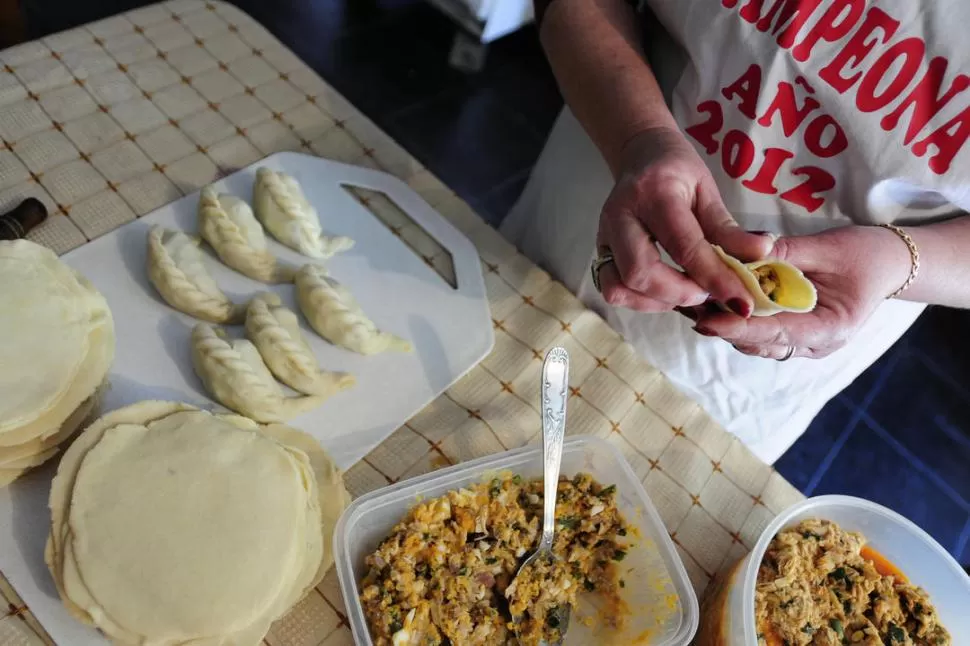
<point>853,268</point>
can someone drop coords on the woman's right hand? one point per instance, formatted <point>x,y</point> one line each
<point>665,195</point>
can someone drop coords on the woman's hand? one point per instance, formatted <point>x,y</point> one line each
<point>665,194</point>
<point>853,268</point>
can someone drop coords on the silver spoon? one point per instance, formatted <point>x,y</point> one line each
<point>555,385</point>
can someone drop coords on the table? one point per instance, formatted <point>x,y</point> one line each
<point>109,121</point>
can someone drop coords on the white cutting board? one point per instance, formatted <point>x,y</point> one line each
<point>450,328</point>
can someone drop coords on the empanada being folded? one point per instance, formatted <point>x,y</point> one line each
<point>275,331</point>
<point>334,313</point>
<point>229,226</point>
<point>285,212</point>
<point>176,269</point>
<point>774,284</point>
<point>234,374</point>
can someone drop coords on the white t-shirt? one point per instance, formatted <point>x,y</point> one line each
<point>824,111</point>
<point>810,114</point>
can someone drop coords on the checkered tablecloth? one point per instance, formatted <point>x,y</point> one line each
<point>107,122</point>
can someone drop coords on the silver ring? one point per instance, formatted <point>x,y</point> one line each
<point>597,264</point>
<point>788,353</point>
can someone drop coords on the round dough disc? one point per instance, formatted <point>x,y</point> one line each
<point>47,312</point>
<point>10,455</point>
<point>334,497</point>
<point>188,526</point>
<point>55,322</point>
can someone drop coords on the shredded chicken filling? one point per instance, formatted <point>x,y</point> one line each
<point>538,595</point>
<point>816,587</point>
<point>768,281</point>
<point>443,574</point>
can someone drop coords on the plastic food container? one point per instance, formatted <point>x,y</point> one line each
<point>729,611</point>
<point>664,609</point>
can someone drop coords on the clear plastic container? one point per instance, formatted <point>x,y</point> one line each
<point>729,613</point>
<point>664,609</point>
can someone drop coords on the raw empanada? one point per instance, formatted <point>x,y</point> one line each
<point>275,331</point>
<point>775,285</point>
<point>229,226</point>
<point>176,269</point>
<point>285,212</point>
<point>334,313</point>
<point>234,374</point>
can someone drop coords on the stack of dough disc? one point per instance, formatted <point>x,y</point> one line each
<point>171,525</point>
<point>57,342</point>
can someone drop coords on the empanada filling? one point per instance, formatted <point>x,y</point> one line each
<point>768,281</point>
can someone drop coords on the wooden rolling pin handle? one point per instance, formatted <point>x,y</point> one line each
<point>18,222</point>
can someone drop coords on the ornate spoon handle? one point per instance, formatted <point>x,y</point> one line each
<point>555,386</point>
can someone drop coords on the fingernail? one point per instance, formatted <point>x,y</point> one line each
<point>686,311</point>
<point>739,307</point>
<point>698,301</point>
<point>770,235</point>
<point>703,331</point>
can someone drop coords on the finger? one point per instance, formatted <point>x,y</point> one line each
<point>633,249</point>
<point>722,229</point>
<point>779,352</point>
<point>619,295</point>
<point>678,231</point>
<point>808,253</point>
<point>775,352</point>
<point>639,265</point>
<point>800,330</point>
<point>762,351</point>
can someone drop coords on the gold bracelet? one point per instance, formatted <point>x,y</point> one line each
<point>913,254</point>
